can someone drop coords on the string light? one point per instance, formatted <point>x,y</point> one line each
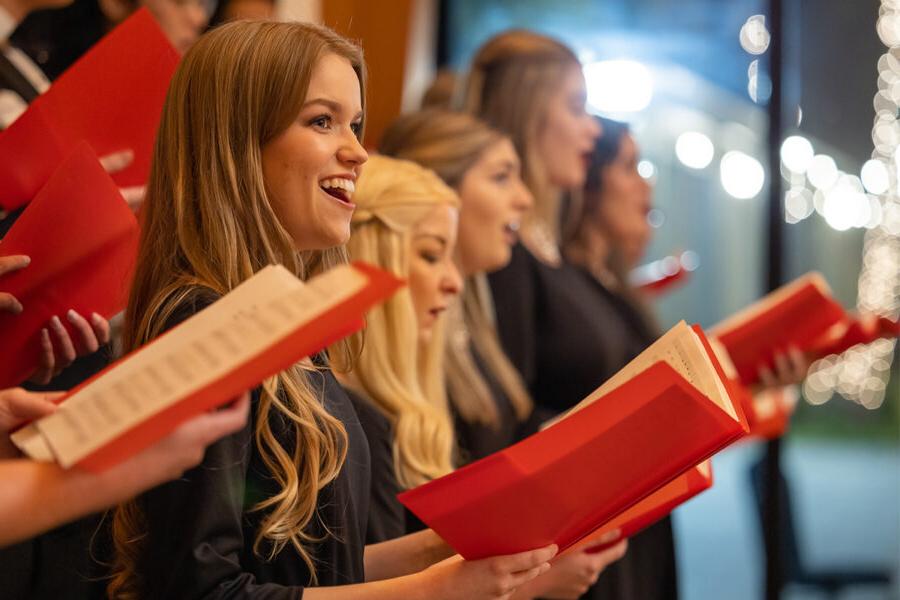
<point>861,373</point>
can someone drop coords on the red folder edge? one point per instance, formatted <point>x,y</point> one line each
<point>282,355</point>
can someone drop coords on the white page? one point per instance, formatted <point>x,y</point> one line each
<point>254,316</point>
<point>681,349</point>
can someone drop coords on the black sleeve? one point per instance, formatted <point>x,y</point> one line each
<point>386,514</point>
<point>195,537</point>
<point>515,303</point>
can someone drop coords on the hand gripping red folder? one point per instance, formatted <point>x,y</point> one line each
<point>82,239</point>
<point>111,97</point>
<point>563,483</point>
<point>797,314</point>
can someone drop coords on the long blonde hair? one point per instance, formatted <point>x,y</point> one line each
<point>510,83</point>
<point>392,370</point>
<point>207,224</point>
<point>450,143</point>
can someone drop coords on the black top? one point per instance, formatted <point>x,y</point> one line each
<point>387,519</point>
<point>201,528</point>
<point>475,440</point>
<point>567,334</point>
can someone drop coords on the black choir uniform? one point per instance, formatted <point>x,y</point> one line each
<point>387,517</point>
<point>567,334</point>
<point>201,527</point>
<point>475,440</point>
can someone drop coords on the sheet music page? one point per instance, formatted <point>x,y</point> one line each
<point>683,351</point>
<point>241,325</point>
<point>766,303</point>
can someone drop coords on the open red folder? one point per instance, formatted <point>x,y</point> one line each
<point>111,97</point>
<point>260,328</point>
<point>643,428</point>
<point>659,504</point>
<point>854,330</point>
<point>82,239</point>
<point>797,314</point>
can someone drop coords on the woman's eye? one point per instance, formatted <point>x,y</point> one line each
<point>356,128</point>
<point>429,257</point>
<point>323,121</point>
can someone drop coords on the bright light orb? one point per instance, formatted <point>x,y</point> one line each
<point>874,175</point>
<point>694,150</point>
<point>618,86</point>
<point>822,171</point>
<point>754,35</point>
<point>742,175</point>
<point>646,169</point>
<point>797,153</point>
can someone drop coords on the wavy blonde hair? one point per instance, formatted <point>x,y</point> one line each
<point>510,83</point>
<point>392,370</point>
<point>450,143</point>
<point>208,225</point>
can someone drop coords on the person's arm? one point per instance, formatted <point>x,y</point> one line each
<point>494,578</point>
<point>36,497</point>
<point>404,555</point>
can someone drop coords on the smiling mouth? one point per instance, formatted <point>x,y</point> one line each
<point>339,188</point>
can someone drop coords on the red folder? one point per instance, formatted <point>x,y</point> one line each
<point>111,97</point>
<point>859,330</point>
<point>658,504</point>
<point>796,319</point>
<point>566,481</point>
<point>337,323</point>
<point>82,239</point>
<point>654,283</point>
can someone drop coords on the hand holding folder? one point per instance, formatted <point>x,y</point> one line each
<point>661,415</point>
<point>260,328</point>
<point>111,97</point>
<point>82,240</point>
<point>801,314</point>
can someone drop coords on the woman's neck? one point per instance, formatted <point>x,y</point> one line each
<point>591,250</point>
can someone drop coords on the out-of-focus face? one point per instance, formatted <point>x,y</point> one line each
<point>567,133</point>
<point>183,21</point>
<point>625,199</point>
<point>310,169</point>
<point>494,200</point>
<point>433,277</point>
<point>249,9</point>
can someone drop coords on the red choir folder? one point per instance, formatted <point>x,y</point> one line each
<point>659,504</point>
<point>797,314</point>
<point>82,239</point>
<point>111,97</point>
<point>262,327</point>
<point>661,276</point>
<point>852,331</point>
<point>770,414</point>
<point>664,413</point>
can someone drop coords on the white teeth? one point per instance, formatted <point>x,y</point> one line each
<point>340,183</point>
<point>513,226</point>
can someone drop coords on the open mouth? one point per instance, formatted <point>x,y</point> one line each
<point>437,310</point>
<point>339,188</point>
<point>511,231</point>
